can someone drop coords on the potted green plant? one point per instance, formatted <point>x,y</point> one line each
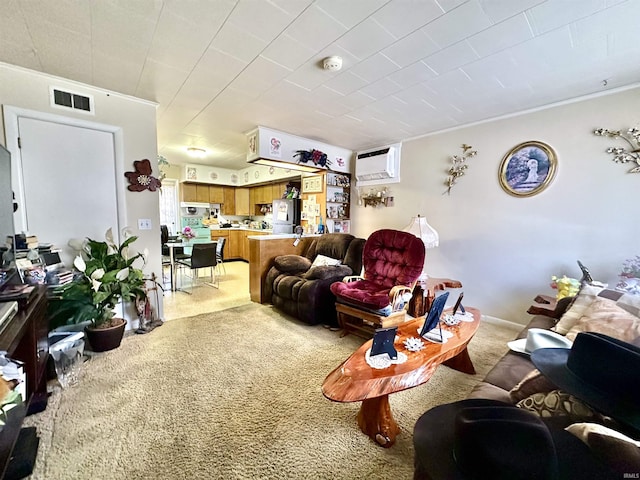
<point>105,276</point>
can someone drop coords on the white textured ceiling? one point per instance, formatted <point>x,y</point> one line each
<point>219,68</point>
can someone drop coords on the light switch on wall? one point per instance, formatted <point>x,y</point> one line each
<point>144,224</point>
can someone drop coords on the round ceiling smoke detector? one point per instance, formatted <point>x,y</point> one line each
<point>333,64</point>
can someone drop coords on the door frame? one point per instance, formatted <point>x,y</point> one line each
<point>12,115</point>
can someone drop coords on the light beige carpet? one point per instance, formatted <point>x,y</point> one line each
<point>232,395</point>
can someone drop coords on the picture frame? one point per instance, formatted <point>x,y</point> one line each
<point>253,144</point>
<point>383,342</point>
<point>527,169</point>
<point>312,184</point>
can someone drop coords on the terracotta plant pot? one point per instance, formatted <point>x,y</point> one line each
<point>105,339</point>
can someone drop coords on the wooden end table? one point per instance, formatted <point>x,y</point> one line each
<point>355,381</point>
<point>424,293</point>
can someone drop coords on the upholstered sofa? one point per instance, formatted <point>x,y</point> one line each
<point>515,380</point>
<point>299,285</point>
<point>513,367</point>
<point>570,315</point>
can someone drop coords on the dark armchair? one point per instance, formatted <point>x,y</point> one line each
<point>301,289</point>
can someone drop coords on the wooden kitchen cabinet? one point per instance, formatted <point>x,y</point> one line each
<point>267,194</point>
<point>228,201</point>
<point>237,245</point>
<point>257,195</point>
<point>188,192</point>
<point>252,200</point>
<point>245,242</point>
<point>220,233</point>
<point>261,194</point>
<point>234,247</point>
<point>245,245</point>
<point>278,189</point>
<point>242,201</point>
<point>216,194</point>
<point>202,193</point>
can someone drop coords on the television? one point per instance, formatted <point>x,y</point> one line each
<point>6,214</point>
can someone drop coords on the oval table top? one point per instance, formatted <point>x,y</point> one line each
<point>354,380</point>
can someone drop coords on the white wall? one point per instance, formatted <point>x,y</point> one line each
<point>502,248</point>
<point>137,119</point>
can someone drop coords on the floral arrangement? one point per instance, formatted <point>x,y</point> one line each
<point>567,287</point>
<point>105,276</point>
<point>630,276</point>
<point>313,155</point>
<point>631,268</point>
<point>187,233</point>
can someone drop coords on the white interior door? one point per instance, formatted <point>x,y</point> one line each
<point>69,184</point>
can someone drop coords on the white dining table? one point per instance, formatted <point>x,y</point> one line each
<point>172,259</point>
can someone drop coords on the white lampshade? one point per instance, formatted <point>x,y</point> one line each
<point>425,232</point>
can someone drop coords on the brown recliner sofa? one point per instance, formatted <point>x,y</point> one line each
<point>301,290</point>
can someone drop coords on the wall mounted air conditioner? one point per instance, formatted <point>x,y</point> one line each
<point>378,165</point>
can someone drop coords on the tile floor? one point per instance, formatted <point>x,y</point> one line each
<point>233,291</point>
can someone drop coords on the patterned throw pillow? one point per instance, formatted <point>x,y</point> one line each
<point>557,403</point>
<point>584,298</point>
<point>609,318</point>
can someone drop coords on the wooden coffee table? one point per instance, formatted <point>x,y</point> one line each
<point>355,381</point>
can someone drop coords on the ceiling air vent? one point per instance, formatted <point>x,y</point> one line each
<point>70,100</point>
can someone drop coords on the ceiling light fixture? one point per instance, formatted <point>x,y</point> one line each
<point>333,63</point>
<point>291,166</point>
<point>196,152</point>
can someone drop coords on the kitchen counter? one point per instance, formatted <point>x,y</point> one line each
<point>275,236</point>
<point>243,228</point>
<point>263,249</point>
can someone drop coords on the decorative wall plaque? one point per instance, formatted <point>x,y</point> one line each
<point>141,178</point>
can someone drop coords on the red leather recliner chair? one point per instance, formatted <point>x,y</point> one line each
<point>393,260</point>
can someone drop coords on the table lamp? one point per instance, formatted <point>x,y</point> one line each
<point>425,232</point>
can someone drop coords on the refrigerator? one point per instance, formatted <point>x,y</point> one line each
<point>286,215</point>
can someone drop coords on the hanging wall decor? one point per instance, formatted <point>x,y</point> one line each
<point>621,154</point>
<point>458,166</point>
<point>141,179</point>
<point>527,169</point>
<point>162,165</point>
<point>315,156</point>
